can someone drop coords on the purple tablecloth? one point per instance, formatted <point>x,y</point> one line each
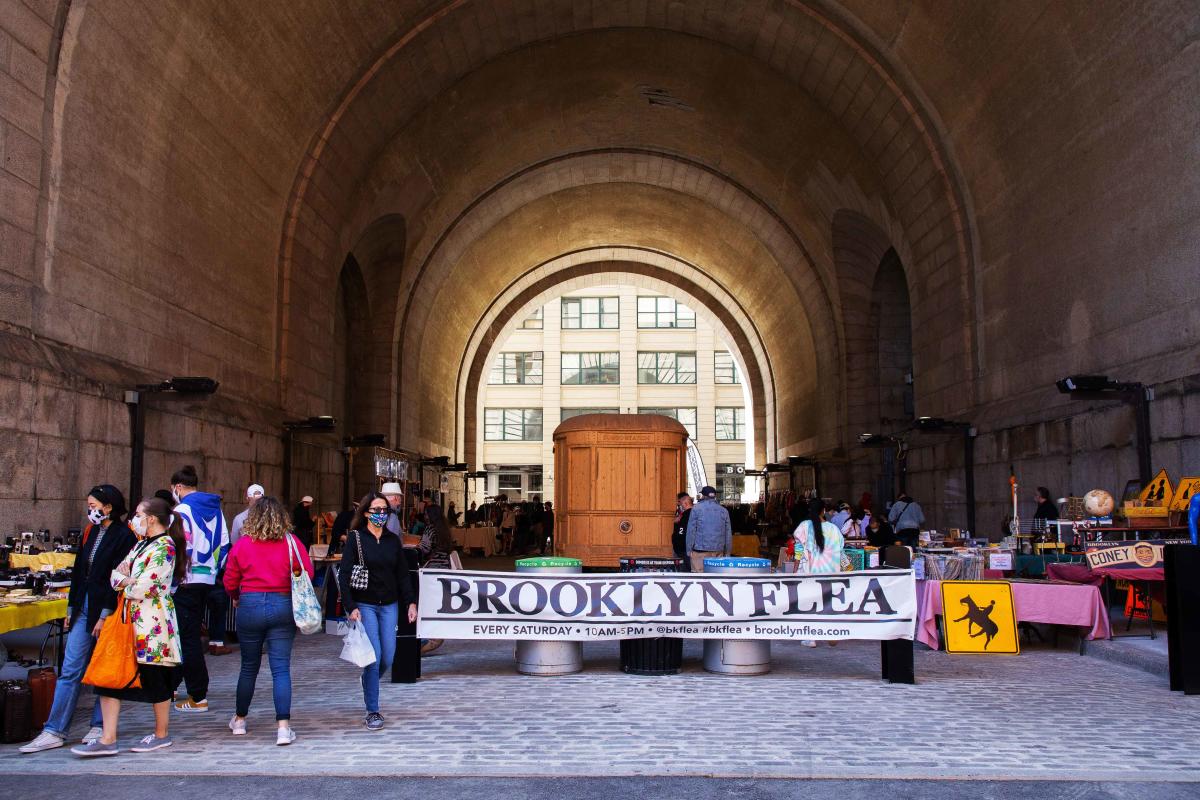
<point>1050,603</point>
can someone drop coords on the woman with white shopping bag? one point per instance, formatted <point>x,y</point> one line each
<point>374,582</point>
<point>265,579</point>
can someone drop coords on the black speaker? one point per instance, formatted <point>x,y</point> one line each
<point>1182,568</point>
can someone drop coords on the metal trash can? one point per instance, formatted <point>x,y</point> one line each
<point>737,656</point>
<point>662,655</point>
<point>542,657</point>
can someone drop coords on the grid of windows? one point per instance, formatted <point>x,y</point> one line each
<point>686,416</point>
<point>664,312</point>
<point>731,482</point>
<point>567,413</point>
<point>726,370</point>
<point>512,424</point>
<point>589,369</point>
<point>731,424</point>
<point>534,321</point>
<point>517,368</point>
<point>590,312</point>
<point>666,368</point>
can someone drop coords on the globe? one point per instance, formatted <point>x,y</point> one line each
<point>1098,503</point>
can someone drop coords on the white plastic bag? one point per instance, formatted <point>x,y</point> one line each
<point>356,646</point>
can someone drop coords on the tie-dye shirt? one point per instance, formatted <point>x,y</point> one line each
<point>812,561</point>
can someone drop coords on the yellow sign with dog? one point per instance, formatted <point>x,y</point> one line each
<point>979,617</point>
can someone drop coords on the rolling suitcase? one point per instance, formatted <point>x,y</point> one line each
<point>17,718</point>
<point>42,681</point>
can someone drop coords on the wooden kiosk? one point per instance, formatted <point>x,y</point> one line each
<point>615,481</point>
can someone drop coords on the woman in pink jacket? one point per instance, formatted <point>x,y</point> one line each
<point>258,578</point>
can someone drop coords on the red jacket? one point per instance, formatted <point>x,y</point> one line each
<point>262,566</point>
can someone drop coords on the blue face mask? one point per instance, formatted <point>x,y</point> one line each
<point>377,517</point>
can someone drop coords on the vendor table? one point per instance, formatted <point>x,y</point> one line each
<point>477,539</point>
<point>1076,605</point>
<point>31,615</point>
<point>35,561</point>
<point>1035,566</point>
<point>1149,583</point>
<point>744,545</point>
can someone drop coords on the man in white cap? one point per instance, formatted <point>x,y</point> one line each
<point>302,521</point>
<point>395,496</point>
<point>253,492</point>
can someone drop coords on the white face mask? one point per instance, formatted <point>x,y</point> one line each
<point>138,524</point>
<point>96,516</point>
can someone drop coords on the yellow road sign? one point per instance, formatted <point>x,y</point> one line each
<point>979,617</point>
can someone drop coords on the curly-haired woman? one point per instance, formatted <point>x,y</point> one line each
<point>258,578</point>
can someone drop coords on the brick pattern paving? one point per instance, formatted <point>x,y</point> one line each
<point>820,713</point>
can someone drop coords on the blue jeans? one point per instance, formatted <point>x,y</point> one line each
<point>76,654</point>
<point>266,618</point>
<point>380,624</point>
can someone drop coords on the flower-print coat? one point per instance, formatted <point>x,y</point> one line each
<point>151,567</point>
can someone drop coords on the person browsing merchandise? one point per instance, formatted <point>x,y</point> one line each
<point>709,534</point>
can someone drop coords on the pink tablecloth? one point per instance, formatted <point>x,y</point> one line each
<point>1050,603</point>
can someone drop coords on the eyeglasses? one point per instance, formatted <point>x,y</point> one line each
<point>376,509</point>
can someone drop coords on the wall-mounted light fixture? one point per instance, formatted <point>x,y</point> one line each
<point>185,387</point>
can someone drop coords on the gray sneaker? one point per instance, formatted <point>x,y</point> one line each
<point>96,748</point>
<point>149,744</point>
<point>45,741</point>
<point>374,721</point>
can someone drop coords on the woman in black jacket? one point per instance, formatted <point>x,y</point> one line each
<point>376,604</point>
<point>106,542</point>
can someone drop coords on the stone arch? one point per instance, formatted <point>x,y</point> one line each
<point>811,316</point>
<point>658,271</point>
<point>817,51</point>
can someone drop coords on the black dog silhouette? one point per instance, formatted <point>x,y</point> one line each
<point>981,617</point>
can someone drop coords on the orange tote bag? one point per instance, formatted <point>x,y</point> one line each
<point>113,664</point>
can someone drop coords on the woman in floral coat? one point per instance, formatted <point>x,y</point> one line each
<point>144,580</point>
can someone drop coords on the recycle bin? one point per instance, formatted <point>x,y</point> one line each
<point>737,656</point>
<point>542,657</point>
<point>661,655</point>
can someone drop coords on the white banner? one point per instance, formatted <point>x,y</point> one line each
<point>457,604</point>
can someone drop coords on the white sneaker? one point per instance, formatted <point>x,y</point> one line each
<point>285,736</point>
<point>93,735</point>
<point>45,741</point>
<point>238,726</point>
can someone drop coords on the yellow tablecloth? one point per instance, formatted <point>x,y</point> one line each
<point>745,546</point>
<point>30,615</point>
<point>38,560</point>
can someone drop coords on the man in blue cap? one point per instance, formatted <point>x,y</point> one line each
<point>709,534</point>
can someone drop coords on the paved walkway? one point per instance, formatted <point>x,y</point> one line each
<point>821,713</point>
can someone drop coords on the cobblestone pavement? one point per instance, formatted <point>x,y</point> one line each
<point>821,713</point>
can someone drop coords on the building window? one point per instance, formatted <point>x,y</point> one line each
<point>731,424</point>
<point>666,367</point>
<point>512,424</point>
<point>590,312</point>
<point>517,368</point>
<point>533,322</point>
<point>726,368</point>
<point>590,369</point>
<point>731,482</point>
<point>664,312</point>
<point>567,413</point>
<point>508,482</point>
<point>685,416</point>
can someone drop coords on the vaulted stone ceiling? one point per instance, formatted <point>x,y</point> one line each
<point>214,164</point>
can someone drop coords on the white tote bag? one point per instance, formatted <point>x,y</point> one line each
<point>306,608</point>
<point>356,645</point>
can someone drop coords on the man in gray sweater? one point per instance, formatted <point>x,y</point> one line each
<point>907,518</point>
<point>709,534</point>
